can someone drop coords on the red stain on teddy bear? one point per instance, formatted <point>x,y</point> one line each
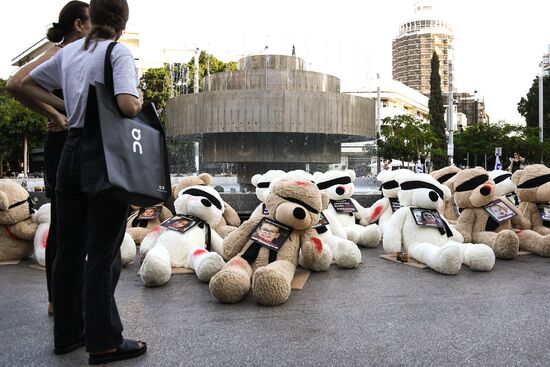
<point>300,183</point>
<point>317,244</point>
<point>376,212</point>
<point>45,238</point>
<point>199,252</point>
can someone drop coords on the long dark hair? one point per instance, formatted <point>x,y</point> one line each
<point>72,11</point>
<point>109,18</point>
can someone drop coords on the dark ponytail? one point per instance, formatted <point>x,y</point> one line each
<point>72,11</point>
<point>109,18</point>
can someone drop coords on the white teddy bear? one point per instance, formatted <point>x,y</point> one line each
<point>262,182</point>
<point>345,253</point>
<point>345,209</point>
<point>425,235</point>
<point>381,211</point>
<point>187,240</point>
<point>43,217</point>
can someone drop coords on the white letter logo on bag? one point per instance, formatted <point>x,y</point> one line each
<point>136,134</point>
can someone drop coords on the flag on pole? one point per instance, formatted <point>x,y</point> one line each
<point>419,168</point>
<point>498,165</point>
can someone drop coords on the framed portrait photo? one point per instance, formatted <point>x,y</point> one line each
<point>499,211</point>
<point>149,213</point>
<point>427,217</point>
<point>544,211</point>
<point>179,223</point>
<point>270,234</point>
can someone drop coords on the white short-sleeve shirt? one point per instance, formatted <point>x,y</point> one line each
<point>73,69</point>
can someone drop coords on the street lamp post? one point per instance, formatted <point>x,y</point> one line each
<point>475,108</point>
<point>541,112</point>
<point>377,123</point>
<point>450,146</point>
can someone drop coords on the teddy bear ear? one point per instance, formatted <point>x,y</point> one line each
<point>206,178</point>
<point>255,179</point>
<point>351,174</point>
<point>175,190</point>
<point>4,201</point>
<point>324,199</point>
<point>446,192</point>
<point>516,177</point>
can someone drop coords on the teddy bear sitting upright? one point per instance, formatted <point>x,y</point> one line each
<point>482,219</point>
<point>186,239</point>
<point>264,250</point>
<point>16,226</point>
<point>533,191</point>
<point>419,229</point>
<point>339,187</point>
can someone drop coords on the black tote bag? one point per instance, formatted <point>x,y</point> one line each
<point>124,158</point>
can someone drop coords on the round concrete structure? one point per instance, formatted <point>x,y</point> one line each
<point>271,113</point>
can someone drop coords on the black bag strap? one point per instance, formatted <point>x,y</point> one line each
<point>108,68</point>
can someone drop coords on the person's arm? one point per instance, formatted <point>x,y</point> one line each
<point>31,90</point>
<point>125,81</point>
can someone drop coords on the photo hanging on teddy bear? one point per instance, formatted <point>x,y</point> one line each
<point>149,213</point>
<point>323,222</point>
<point>499,210</point>
<point>427,217</point>
<point>544,211</point>
<point>344,206</point>
<point>270,234</point>
<point>179,223</point>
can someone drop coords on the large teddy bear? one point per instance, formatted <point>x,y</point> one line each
<point>42,217</point>
<point>262,183</point>
<point>168,247</point>
<point>533,191</point>
<point>345,253</point>
<point>139,228</point>
<point>473,190</point>
<point>16,226</point>
<point>381,211</point>
<point>230,218</point>
<point>417,229</point>
<point>445,177</point>
<point>294,205</point>
<point>339,187</point>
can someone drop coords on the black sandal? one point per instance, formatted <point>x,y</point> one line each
<point>69,348</point>
<point>126,350</point>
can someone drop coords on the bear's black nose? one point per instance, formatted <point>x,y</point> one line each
<point>433,196</point>
<point>299,213</point>
<point>340,190</point>
<point>485,191</point>
<point>206,203</point>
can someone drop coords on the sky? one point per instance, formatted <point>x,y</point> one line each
<point>498,45</point>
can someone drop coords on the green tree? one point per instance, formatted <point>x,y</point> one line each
<point>17,123</point>
<point>407,138</point>
<point>437,114</point>
<point>207,63</point>
<point>528,106</point>
<point>155,84</point>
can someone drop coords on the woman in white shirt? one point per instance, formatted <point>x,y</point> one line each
<point>92,226</point>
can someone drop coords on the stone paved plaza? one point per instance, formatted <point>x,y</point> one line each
<point>381,314</point>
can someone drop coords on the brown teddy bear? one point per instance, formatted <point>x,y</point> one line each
<point>294,208</point>
<point>17,228</point>
<point>473,190</point>
<point>533,191</point>
<point>445,177</point>
<point>230,219</point>
<point>139,228</point>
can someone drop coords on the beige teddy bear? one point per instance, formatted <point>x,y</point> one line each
<point>17,228</point>
<point>264,251</point>
<point>230,219</point>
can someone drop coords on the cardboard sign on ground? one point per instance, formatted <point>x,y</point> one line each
<point>177,271</point>
<point>37,267</point>
<point>523,253</point>
<point>10,262</point>
<point>411,262</point>
<point>300,278</point>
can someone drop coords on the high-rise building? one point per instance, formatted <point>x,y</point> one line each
<point>413,48</point>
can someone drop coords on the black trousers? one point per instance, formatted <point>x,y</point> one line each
<point>52,153</point>
<point>92,226</point>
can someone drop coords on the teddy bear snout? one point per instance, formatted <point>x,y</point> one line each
<point>206,203</point>
<point>340,190</point>
<point>433,196</point>
<point>486,190</point>
<point>299,213</point>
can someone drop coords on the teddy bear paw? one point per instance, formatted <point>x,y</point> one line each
<point>506,245</point>
<point>481,258</point>
<point>543,245</point>
<point>229,285</point>
<point>449,260</point>
<point>156,270</point>
<point>370,236</point>
<point>211,264</point>
<point>347,255</point>
<point>271,288</point>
